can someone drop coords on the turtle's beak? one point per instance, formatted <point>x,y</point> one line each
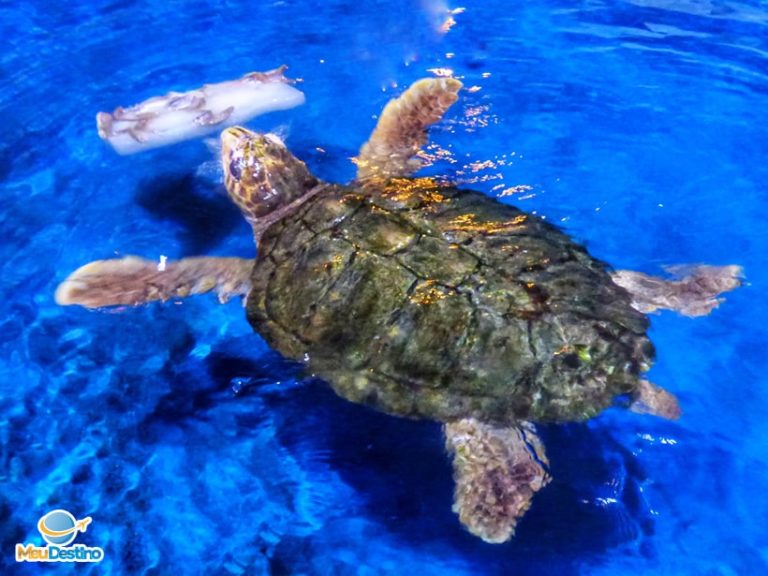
<point>233,138</point>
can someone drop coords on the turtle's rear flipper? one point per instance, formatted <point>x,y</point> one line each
<point>497,472</point>
<point>652,399</point>
<point>401,130</point>
<point>694,291</point>
<point>132,280</point>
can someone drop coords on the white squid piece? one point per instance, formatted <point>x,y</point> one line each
<point>179,116</point>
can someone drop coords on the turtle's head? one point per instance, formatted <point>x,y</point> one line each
<point>260,173</point>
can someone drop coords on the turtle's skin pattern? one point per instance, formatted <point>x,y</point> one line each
<point>424,300</point>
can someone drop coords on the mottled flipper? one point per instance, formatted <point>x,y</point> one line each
<point>401,130</point>
<point>651,399</point>
<point>694,293</point>
<point>497,472</point>
<point>132,280</point>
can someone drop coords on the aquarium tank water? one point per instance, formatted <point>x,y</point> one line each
<point>174,440</point>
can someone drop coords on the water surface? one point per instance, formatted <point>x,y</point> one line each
<point>639,126</point>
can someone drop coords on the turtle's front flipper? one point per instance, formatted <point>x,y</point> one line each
<point>497,471</point>
<point>651,399</point>
<point>694,292</point>
<point>132,280</point>
<point>401,130</point>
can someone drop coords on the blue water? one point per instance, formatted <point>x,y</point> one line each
<point>639,126</point>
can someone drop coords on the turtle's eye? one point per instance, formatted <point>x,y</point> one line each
<point>236,168</point>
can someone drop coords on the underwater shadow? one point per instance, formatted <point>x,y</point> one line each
<point>402,477</point>
<point>205,216</point>
<point>197,386</point>
<point>400,470</point>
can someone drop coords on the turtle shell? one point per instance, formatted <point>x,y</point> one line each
<point>429,301</point>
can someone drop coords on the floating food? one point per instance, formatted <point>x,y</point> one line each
<point>179,116</point>
<point>423,300</point>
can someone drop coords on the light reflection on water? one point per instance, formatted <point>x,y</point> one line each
<point>639,124</point>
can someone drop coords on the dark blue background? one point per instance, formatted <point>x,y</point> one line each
<point>638,125</point>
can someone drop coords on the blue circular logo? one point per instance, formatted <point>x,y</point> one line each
<point>58,527</point>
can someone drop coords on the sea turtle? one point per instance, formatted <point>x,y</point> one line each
<point>423,300</point>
